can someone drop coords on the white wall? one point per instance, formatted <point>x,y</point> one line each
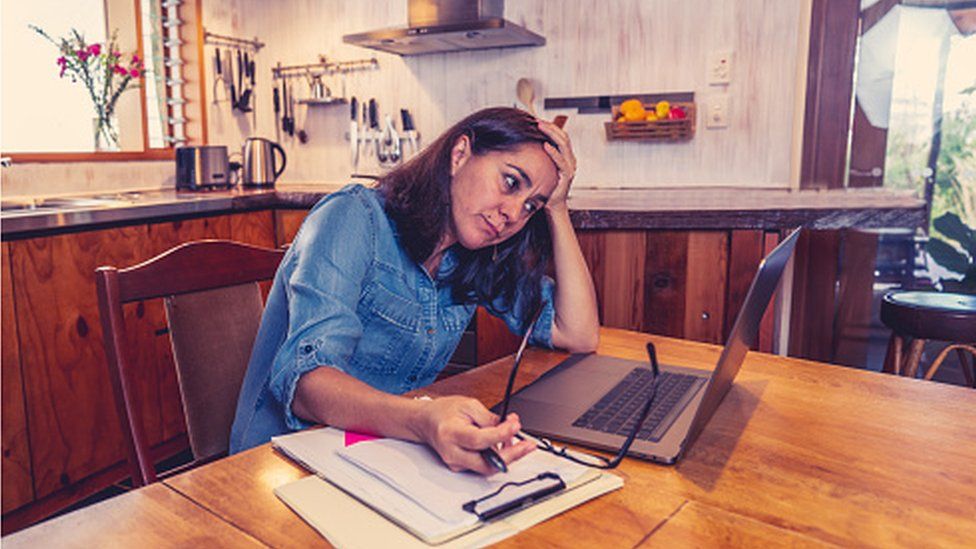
<point>593,48</point>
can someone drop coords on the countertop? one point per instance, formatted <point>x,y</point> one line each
<point>659,208</point>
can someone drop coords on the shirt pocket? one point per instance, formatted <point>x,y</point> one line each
<point>391,332</point>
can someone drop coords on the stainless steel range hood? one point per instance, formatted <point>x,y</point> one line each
<point>436,26</point>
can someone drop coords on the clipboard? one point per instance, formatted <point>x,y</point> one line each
<point>385,512</point>
<point>502,502</point>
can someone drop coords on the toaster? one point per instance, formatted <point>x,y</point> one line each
<point>203,167</point>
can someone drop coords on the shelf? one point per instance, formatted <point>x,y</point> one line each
<point>322,102</point>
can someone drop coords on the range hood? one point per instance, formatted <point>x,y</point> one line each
<point>436,26</point>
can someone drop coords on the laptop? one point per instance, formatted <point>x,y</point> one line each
<point>594,400</point>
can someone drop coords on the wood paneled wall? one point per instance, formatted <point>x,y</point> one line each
<point>593,47</point>
<point>687,284</point>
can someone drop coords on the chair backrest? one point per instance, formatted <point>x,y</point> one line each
<point>213,307</point>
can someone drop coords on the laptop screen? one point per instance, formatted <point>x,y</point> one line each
<point>744,332</point>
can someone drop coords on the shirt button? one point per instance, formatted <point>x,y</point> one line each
<point>307,349</point>
<point>412,378</point>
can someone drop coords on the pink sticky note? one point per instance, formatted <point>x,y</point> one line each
<point>352,437</point>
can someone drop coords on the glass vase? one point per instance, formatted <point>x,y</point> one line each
<point>106,134</point>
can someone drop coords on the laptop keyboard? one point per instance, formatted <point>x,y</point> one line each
<point>618,411</point>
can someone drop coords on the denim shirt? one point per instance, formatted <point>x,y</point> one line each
<point>347,296</point>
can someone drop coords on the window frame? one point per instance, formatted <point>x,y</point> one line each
<point>190,12</point>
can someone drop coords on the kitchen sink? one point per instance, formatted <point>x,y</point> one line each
<point>62,203</point>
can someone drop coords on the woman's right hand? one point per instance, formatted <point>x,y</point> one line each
<point>457,428</point>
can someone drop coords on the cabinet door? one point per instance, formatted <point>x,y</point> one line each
<point>253,228</point>
<point>72,424</point>
<point>287,223</point>
<point>16,473</point>
<point>660,281</point>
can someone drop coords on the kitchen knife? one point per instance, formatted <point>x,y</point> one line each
<point>374,124</point>
<point>277,111</point>
<point>353,132</point>
<point>291,111</point>
<point>406,120</point>
<point>240,80</point>
<point>219,78</point>
<point>364,129</point>
<point>284,105</point>
<point>243,81</point>
<point>230,79</point>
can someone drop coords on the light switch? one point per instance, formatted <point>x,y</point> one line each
<point>719,67</point>
<point>717,111</point>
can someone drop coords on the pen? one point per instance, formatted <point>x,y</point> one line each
<point>492,458</point>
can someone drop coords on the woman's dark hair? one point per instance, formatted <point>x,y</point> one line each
<point>418,198</point>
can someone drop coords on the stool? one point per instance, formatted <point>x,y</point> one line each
<point>922,316</point>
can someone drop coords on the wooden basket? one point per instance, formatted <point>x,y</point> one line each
<point>659,130</point>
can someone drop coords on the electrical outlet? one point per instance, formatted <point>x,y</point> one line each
<point>717,111</point>
<point>720,67</point>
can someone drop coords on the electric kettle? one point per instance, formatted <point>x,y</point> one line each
<point>260,162</point>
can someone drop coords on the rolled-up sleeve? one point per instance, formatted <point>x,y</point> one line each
<point>518,320</point>
<point>333,254</point>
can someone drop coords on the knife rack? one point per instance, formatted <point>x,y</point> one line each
<point>220,40</point>
<point>324,67</point>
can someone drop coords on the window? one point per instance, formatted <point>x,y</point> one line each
<point>48,118</point>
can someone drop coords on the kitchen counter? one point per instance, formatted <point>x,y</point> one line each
<point>663,208</point>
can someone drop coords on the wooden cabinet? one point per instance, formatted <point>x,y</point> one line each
<point>687,284</point>
<point>74,434</point>
<point>287,223</point>
<point>16,485</point>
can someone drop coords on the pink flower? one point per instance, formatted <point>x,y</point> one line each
<point>118,69</point>
<point>82,54</point>
<point>95,49</point>
<point>135,59</point>
<point>62,61</point>
<point>134,73</point>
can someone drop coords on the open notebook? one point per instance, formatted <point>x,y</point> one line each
<point>409,485</point>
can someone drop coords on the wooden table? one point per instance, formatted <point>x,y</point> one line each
<point>799,453</point>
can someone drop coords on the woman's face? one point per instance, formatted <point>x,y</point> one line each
<point>494,194</point>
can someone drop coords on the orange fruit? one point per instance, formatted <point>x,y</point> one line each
<point>631,105</point>
<point>651,116</point>
<point>634,115</point>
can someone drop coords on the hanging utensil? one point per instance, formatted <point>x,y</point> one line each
<point>382,150</point>
<point>291,111</point>
<point>230,79</point>
<point>406,122</point>
<point>219,78</point>
<point>300,128</point>
<point>244,101</point>
<point>392,141</point>
<point>526,94</point>
<point>354,132</point>
<point>254,101</point>
<point>277,111</point>
<point>284,105</point>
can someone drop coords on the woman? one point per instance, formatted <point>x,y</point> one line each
<point>373,295</point>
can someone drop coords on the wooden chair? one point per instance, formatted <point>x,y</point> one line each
<point>923,316</point>
<point>213,309</point>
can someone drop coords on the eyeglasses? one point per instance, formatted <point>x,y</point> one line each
<point>582,458</point>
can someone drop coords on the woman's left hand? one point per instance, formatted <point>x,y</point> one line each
<point>564,159</point>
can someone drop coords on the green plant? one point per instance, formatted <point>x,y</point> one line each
<point>101,69</point>
<point>959,258</point>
